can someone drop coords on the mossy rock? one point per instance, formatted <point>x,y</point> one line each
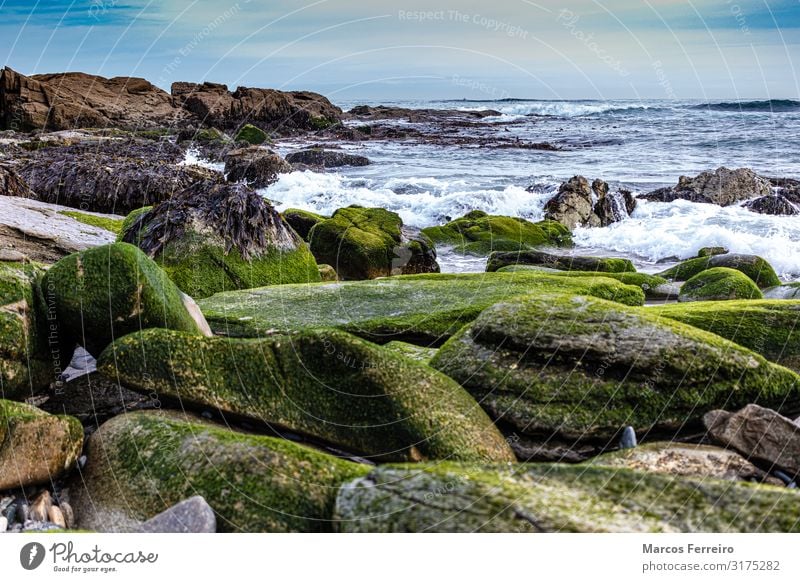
<point>711,251</point>
<point>580,369</point>
<point>210,135</point>
<point>142,463</point>
<point>759,270</point>
<point>107,292</point>
<point>478,233</point>
<point>419,309</point>
<point>652,285</point>
<point>132,220</point>
<point>327,273</point>
<point>251,134</point>
<point>719,284</point>
<point>417,353</point>
<point>498,260</point>
<point>106,223</point>
<point>329,385</point>
<point>366,243</point>
<point>769,327</point>
<point>538,498</point>
<point>25,364</point>
<point>302,221</point>
<point>35,447</point>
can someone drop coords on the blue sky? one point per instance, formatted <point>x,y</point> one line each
<point>348,49</point>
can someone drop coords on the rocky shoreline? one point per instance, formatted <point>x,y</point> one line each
<point>178,356</point>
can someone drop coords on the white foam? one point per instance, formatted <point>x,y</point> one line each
<point>192,158</point>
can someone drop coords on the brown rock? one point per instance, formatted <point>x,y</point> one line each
<point>572,206</point>
<point>40,508</point>
<point>11,184</point>
<point>257,166</point>
<point>55,516</point>
<point>762,435</point>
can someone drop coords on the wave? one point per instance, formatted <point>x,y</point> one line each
<point>768,105</point>
<point>528,108</point>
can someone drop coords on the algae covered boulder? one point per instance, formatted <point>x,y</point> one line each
<point>220,237</point>
<point>498,260</point>
<point>35,447</point>
<point>420,309</point>
<point>759,270</point>
<point>131,220</point>
<point>251,134</point>
<point>107,292</point>
<point>25,366</point>
<point>579,369</point>
<point>719,284</point>
<point>329,385</point>
<point>540,498</point>
<point>142,463</point>
<point>365,243</point>
<point>479,233</point>
<point>652,285</point>
<point>302,221</point>
<point>768,327</point>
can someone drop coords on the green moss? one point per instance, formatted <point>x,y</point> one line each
<point>711,251</point>
<point>110,224</point>
<point>583,368</point>
<point>648,283</point>
<point>201,268</point>
<point>420,309</point>
<point>326,384</point>
<point>130,220</point>
<point>719,284</point>
<point>365,243</point>
<point>251,134</point>
<point>759,270</point>
<point>327,273</point>
<point>320,123</point>
<point>768,327</point>
<point>107,292</point>
<point>154,134</point>
<point>478,233</point>
<point>501,259</point>
<point>535,498</point>
<point>210,134</point>
<point>140,464</point>
<point>302,221</point>
<point>417,353</point>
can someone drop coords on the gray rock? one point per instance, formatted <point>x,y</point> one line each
<point>193,515</point>
<point>628,438</point>
<point>722,186</point>
<point>573,205</point>
<point>326,158</point>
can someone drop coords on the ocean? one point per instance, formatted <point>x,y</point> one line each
<point>638,145</point>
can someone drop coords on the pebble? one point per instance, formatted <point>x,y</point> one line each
<point>23,511</point>
<point>55,516</point>
<point>11,513</point>
<point>11,256</point>
<point>3,524</point>
<point>785,478</point>
<point>193,515</point>
<point>69,516</point>
<point>628,438</point>
<point>82,461</point>
<point>41,507</point>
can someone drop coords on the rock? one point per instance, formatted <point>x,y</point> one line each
<point>722,186</point>
<point>193,515</point>
<point>759,270</point>
<point>478,233</point>
<point>118,177</point>
<point>420,309</point>
<point>498,260</point>
<point>576,369</point>
<point>328,274</point>
<point>142,463</point>
<point>788,291</point>
<point>221,237</point>
<point>540,498</point>
<point>39,232</point>
<point>35,447</point>
<point>251,134</point>
<point>365,243</point>
<point>763,436</point>
<point>40,507</point>
<point>302,221</point>
<point>3,524</point>
<point>572,206</point>
<point>67,101</point>
<point>767,327</point>
<point>275,111</point>
<point>258,167</point>
<point>685,460</point>
<point>81,364</point>
<point>108,292</point>
<point>11,256</point>
<point>330,385</point>
<point>133,219</point>
<point>628,438</point>
<point>417,353</point>
<point>317,157</point>
<point>719,284</point>
<point>654,287</point>
<point>25,365</point>
<point>66,511</point>
<point>55,517</point>
<point>774,204</point>
<point>612,207</point>
<point>11,184</point>
<point>711,251</point>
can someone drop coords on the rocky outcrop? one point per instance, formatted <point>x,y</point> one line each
<point>763,436</point>
<point>271,110</point>
<point>256,166</point>
<point>74,100</point>
<point>116,177</point>
<point>778,205</point>
<point>578,370</point>
<point>722,186</point>
<point>365,243</point>
<point>578,204</point>
<point>220,237</point>
<point>319,158</point>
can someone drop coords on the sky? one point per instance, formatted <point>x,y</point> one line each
<point>422,49</point>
